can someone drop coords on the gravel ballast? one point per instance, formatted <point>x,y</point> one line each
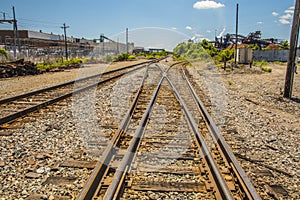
<point>260,125</point>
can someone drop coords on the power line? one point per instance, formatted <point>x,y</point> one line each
<point>40,21</point>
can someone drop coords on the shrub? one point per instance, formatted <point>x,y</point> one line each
<point>150,56</point>
<point>131,57</point>
<point>121,57</point>
<point>262,63</point>
<point>108,58</point>
<point>265,69</point>
<point>59,63</point>
<point>3,53</point>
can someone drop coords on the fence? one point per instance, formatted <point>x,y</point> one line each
<point>272,55</point>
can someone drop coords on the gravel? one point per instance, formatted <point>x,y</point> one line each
<point>260,125</point>
<point>33,152</point>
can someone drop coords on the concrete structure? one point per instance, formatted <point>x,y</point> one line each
<point>245,55</point>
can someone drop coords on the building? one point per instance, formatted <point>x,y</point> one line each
<point>34,43</point>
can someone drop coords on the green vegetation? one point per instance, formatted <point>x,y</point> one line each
<point>261,64</point>
<point>225,56</point>
<point>194,51</point>
<point>60,63</point>
<point>131,57</point>
<point>285,45</point>
<point>254,46</point>
<point>203,51</point>
<point>3,53</point>
<point>265,69</point>
<point>121,57</point>
<point>108,58</point>
<point>279,63</point>
<point>230,82</point>
<point>156,55</point>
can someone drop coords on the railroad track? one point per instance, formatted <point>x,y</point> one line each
<point>163,148</point>
<point>21,105</point>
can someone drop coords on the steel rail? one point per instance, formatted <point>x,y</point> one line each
<point>250,190</point>
<point>111,192</point>
<point>90,188</point>
<point>10,99</point>
<point>16,115</point>
<point>220,181</point>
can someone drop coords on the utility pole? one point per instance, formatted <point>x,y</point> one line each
<point>14,22</point>
<point>118,51</point>
<point>66,45</point>
<point>236,33</point>
<point>215,37</point>
<point>16,34</point>
<point>289,79</point>
<point>127,40</point>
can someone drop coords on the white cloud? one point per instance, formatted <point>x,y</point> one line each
<point>259,23</point>
<point>174,28</point>
<point>208,31</point>
<point>188,28</point>
<point>207,4</point>
<point>284,21</point>
<point>286,16</point>
<point>289,11</point>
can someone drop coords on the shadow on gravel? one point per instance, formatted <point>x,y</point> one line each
<point>297,100</point>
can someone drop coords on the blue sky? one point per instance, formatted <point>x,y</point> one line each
<point>198,19</point>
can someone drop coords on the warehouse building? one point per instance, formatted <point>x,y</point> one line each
<point>37,43</point>
<point>34,43</point>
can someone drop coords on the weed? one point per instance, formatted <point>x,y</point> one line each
<point>265,69</point>
<point>262,63</point>
<point>59,63</point>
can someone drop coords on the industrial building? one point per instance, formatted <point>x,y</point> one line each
<point>36,43</point>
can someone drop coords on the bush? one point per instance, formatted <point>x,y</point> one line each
<point>150,56</point>
<point>131,57</point>
<point>3,53</point>
<point>262,63</point>
<point>121,57</point>
<point>265,69</point>
<point>108,58</point>
<point>60,63</point>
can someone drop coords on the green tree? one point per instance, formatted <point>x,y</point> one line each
<point>180,49</point>
<point>226,55</point>
<point>285,45</point>
<point>209,47</point>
